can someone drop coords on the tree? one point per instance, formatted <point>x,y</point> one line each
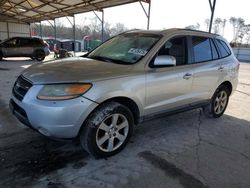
<point>237,24</point>
<point>207,22</point>
<point>217,25</point>
<point>223,26</point>
<point>193,27</point>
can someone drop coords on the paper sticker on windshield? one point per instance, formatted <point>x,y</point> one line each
<point>137,51</point>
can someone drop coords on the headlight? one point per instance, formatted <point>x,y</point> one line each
<point>63,91</point>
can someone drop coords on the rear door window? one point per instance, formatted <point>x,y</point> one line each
<point>24,42</point>
<point>201,49</point>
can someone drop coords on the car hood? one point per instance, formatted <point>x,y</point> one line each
<point>75,69</point>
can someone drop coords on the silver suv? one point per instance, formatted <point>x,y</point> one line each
<point>134,76</point>
<point>34,48</point>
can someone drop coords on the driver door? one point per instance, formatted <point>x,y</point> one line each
<point>169,87</point>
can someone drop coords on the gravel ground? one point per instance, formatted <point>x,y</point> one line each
<point>185,150</point>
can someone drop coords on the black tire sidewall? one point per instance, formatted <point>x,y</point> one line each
<point>221,88</point>
<point>37,55</point>
<point>88,134</point>
<point>1,56</point>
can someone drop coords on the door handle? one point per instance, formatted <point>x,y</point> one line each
<point>220,68</point>
<point>187,76</point>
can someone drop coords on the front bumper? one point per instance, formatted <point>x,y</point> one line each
<point>57,119</point>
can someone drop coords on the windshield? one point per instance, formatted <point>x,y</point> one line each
<point>128,48</point>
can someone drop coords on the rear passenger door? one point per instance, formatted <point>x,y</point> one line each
<point>26,46</point>
<point>205,66</point>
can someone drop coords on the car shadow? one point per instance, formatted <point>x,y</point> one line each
<point>26,156</point>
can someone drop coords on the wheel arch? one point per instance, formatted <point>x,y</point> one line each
<point>130,104</point>
<point>228,85</point>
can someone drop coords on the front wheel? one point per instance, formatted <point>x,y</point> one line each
<point>107,130</point>
<point>218,104</point>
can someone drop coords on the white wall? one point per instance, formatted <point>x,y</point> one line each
<point>242,54</point>
<point>10,29</point>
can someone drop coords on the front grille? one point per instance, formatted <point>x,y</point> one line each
<point>21,87</point>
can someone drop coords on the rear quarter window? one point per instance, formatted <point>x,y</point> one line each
<point>223,48</point>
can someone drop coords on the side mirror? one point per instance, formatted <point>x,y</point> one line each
<point>165,60</point>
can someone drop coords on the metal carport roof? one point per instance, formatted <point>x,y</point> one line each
<point>30,11</point>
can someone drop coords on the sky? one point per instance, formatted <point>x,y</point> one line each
<point>174,14</point>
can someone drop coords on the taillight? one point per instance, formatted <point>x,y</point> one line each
<point>238,66</point>
<point>46,44</point>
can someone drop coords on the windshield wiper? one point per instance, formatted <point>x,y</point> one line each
<point>102,59</point>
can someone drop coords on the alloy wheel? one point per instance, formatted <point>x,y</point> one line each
<point>112,132</point>
<point>220,102</point>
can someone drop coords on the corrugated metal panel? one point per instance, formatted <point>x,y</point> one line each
<point>30,11</point>
<point>19,28</point>
<point>3,26</point>
<point>8,30</point>
<point>242,54</point>
<point>3,35</point>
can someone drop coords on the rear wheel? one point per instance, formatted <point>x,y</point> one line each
<point>40,55</point>
<point>218,104</point>
<point>107,130</point>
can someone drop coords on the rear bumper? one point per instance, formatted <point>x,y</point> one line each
<point>47,51</point>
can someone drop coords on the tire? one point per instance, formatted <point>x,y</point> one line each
<point>218,104</point>
<point>39,55</point>
<point>1,56</point>
<point>33,58</point>
<point>107,130</point>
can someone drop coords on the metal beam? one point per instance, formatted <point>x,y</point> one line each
<point>73,24</point>
<point>41,32</point>
<point>55,29</point>
<point>212,7</point>
<point>74,33</point>
<point>101,19</point>
<point>147,13</point>
<point>8,30</point>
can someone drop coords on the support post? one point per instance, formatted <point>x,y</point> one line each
<point>149,10</point>
<point>74,33</point>
<point>8,30</point>
<point>30,29</point>
<point>102,22</point>
<point>212,7</point>
<point>102,25</point>
<point>41,34</point>
<point>147,13</point>
<point>55,29</point>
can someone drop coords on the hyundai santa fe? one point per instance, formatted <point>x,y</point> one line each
<point>132,77</point>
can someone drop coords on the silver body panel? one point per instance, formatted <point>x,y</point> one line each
<point>153,89</point>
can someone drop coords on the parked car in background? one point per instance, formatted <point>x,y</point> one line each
<point>34,48</point>
<point>130,78</point>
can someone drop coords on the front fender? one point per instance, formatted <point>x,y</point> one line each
<point>132,88</point>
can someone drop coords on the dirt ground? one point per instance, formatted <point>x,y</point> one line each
<point>185,150</point>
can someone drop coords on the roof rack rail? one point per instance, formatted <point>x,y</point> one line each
<point>199,31</point>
